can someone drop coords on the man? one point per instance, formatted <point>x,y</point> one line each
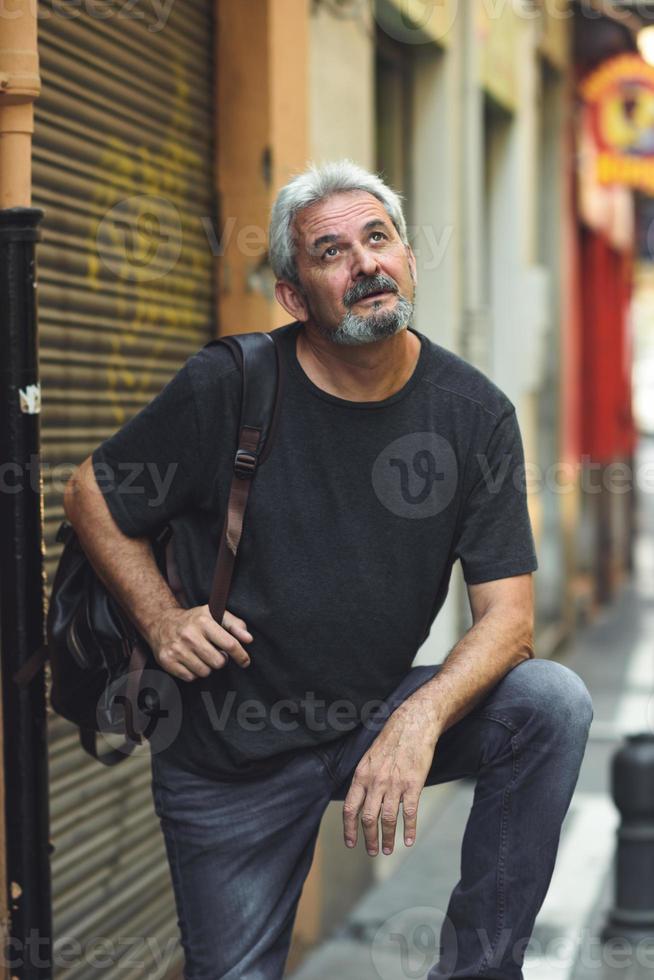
<point>393,458</point>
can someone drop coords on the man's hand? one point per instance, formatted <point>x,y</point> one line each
<point>189,643</point>
<point>392,771</point>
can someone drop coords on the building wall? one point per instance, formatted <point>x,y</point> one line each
<point>261,139</point>
<point>524,149</point>
<point>341,85</point>
<point>435,223</point>
<point>551,595</point>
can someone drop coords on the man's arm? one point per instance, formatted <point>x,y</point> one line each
<point>501,637</point>
<point>396,766</point>
<point>185,642</point>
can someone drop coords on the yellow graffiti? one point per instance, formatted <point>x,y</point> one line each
<point>127,250</point>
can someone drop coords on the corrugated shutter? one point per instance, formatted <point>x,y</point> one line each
<point>123,168</point>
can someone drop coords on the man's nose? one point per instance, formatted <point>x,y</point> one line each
<point>364,262</point>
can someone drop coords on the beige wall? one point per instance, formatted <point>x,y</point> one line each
<point>435,231</point>
<point>341,88</point>
<point>261,138</point>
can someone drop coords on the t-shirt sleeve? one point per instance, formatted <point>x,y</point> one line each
<point>495,538</point>
<point>149,469</point>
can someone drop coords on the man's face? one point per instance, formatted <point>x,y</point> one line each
<point>357,278</point>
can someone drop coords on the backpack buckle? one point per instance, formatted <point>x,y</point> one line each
<point>245,463</point>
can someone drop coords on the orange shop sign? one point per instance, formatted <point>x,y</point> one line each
<point>618,112</point>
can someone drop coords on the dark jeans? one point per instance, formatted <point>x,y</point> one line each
<point>239,852</point>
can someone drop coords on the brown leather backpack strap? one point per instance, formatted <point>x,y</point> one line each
<point>137,663</point>
<point>88,737</point>
<point>261,369</point>
<point>245,464</point>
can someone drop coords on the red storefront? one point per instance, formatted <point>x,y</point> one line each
<point>600,431</point>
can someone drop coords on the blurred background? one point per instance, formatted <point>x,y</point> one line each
<point>154,137</point>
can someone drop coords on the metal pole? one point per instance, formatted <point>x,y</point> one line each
<point>28,953</point>
<point>632,787</point>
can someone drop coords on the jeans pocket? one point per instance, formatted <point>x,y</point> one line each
<point>156,799</point>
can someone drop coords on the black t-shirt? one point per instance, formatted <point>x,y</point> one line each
<point>354,522</point>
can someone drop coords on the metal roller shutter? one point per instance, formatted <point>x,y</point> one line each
<point>123,168</point>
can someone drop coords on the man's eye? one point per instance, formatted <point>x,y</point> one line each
<point>330,252</point>
<point>380,233</point>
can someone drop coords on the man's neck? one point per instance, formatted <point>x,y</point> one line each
<point>362,372</point>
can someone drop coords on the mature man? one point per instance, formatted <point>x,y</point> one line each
<point>393,458</point>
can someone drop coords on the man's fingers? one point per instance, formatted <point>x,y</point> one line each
<point>215,659</point>
<point>410,816</point>
<point>389,813</point>
<point>185,666</point>
<point>177,670</point>
<point>370,822</point>
<point>369,807</point>
<point>189,643</point>
<point>195,644</point>
<point>236,626</point>
<point>351,807</point>
<point>225,641</point>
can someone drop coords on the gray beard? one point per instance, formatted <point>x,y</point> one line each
<point>354,329</point>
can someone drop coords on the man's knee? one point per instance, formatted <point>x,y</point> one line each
<point>558,696</point>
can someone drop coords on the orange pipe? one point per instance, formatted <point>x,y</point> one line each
<point>20,84</point>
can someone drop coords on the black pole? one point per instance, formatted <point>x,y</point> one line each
<point>632,787</point>
<point>28,953</point>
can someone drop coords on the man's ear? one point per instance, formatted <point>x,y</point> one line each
<point>292,299</point>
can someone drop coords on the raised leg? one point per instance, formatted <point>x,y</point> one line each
<point>525,745</point>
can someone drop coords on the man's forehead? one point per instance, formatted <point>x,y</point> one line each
<point>341,213</point>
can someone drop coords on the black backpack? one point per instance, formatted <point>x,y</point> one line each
<point>96,655</point>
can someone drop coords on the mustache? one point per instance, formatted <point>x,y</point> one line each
<point>365,287</point>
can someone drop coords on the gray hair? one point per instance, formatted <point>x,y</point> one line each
<point>316,184</point>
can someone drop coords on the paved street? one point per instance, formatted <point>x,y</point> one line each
<point>392,934</point>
